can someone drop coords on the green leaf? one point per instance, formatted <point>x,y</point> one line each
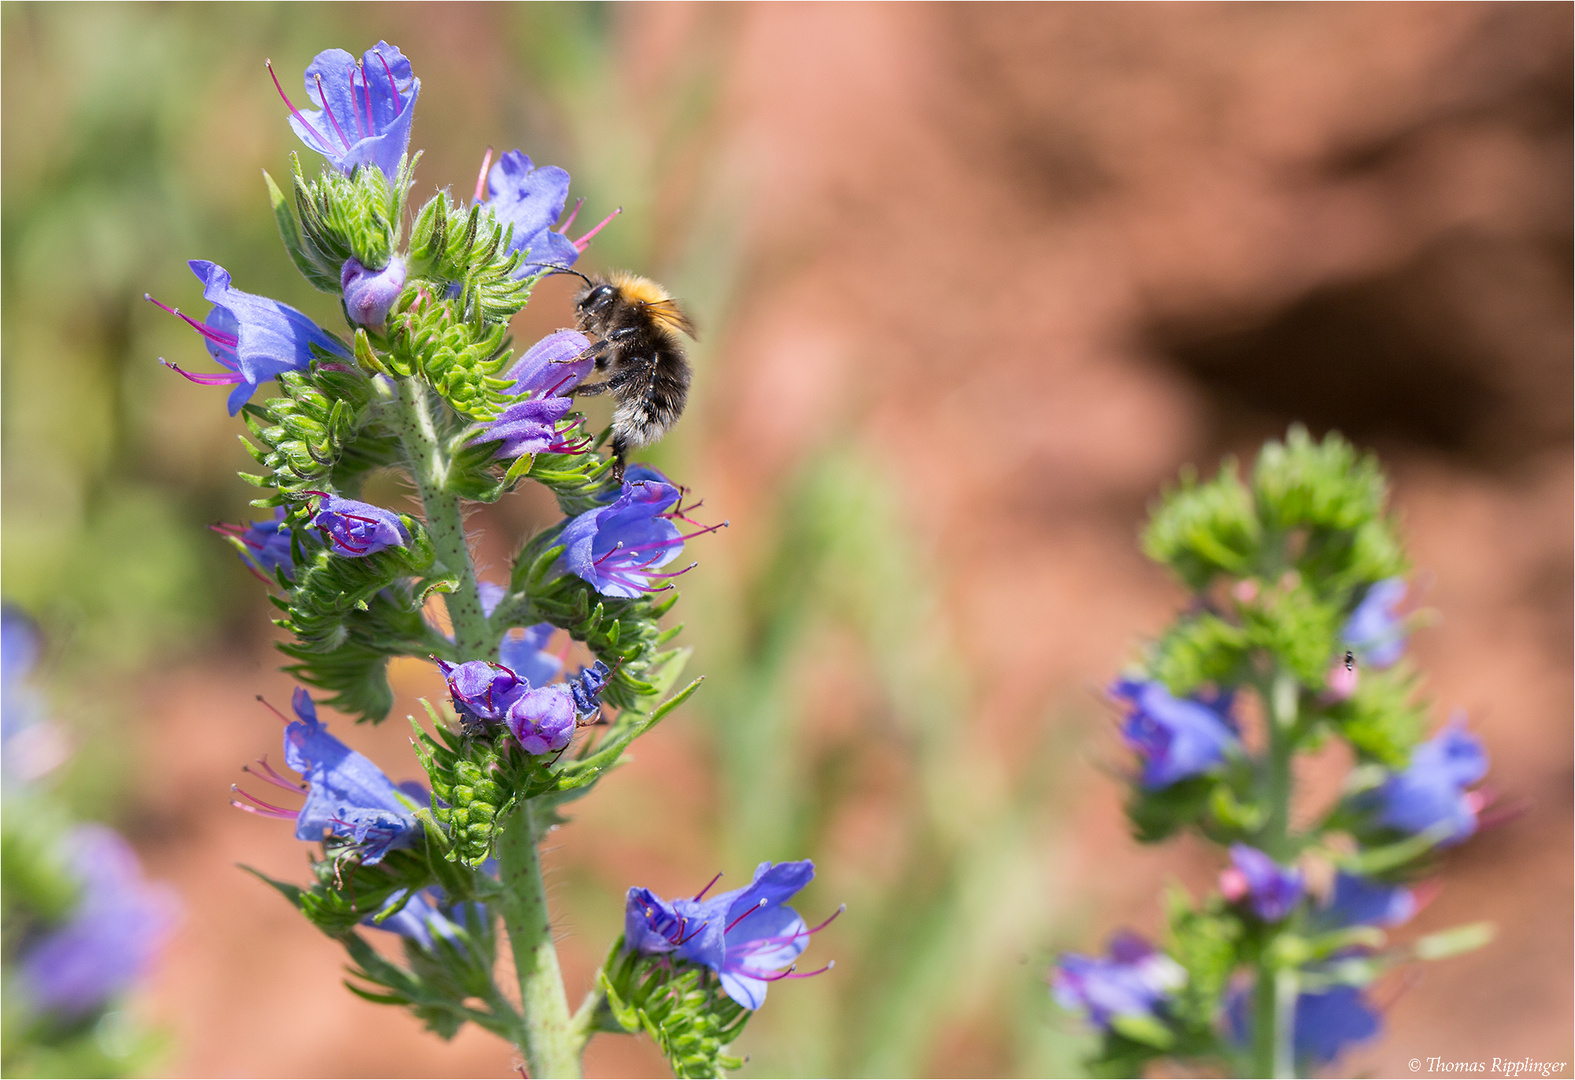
<point>1200,530</point>
<point>1454,941</point>
<point>290,233</point>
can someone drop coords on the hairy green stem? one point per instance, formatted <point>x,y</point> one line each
<point>1274,999</point>
<point>550,1042</point>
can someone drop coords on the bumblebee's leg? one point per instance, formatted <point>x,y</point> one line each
<point>591,389</point>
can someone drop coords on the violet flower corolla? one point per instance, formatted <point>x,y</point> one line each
<point>553,366</point>
<point>1430,794</point>
<point>526,655</point>
<point>252,337</point>
<point>364,108</point>
<point>1176,737</point>
<point>748,936</point>
<point>1373,631</point>
<point>1272,891</point>
<point>1326,1022</point>
<point>481,690</point>
<point>531,199</point>
<point>1364,901</point>
<point>542,718</point>
<point>347,796</point>
<point>618,547</point>
<point>547,372</point>
<point>119,926</point>
<point>264,546</point>
<point>369,293</point>
<point>30,745</point>
<point>1133,979</point>
<point>356,529</point>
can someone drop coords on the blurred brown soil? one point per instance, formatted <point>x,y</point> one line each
<point>1037,259</point>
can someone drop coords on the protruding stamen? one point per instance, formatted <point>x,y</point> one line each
<point>331,119</point>
<point>572,214</point>
<point>273,710</point>
<point>218,337</point>
<point>745,915</point>
<point>811,974</point>
<point>585,241</point>
<point>293,110</point>
<point>701,894</point>
<point>481,177</point>
<point>829,919</point>
<point>216,378</point>
<point>267,808</point>
<point>272,776</point>
<point>283,815</point>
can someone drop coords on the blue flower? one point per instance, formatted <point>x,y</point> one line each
<point>530,427</point>
<point>119,926</point>
<point>748,936</point>
<point>617,547</point>
<point>252,337</point>
<point>1430,794</point>
<point>1133,979</point>
<point>18,653</point>
<point>346,795</point>
<point>423,917</point>
<point>1362,901</point>
<point>1272,891</point>
<point>354,529</point>
<point>542,718</point>
<point>586,686</point>
<point>263,546</point>
<point>553,366</point>
<point>1373,631</point>
<point>1175,737</point>
<point>531,200</point>
<point>370,293</point>
<point>527,656</point>
<point>1326,1022</point>
<point>364,108</point>
<point>482,691</point>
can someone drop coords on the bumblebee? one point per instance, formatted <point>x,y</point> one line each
<point>637,326</point>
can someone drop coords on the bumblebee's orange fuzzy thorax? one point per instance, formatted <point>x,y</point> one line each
<point>662,308</point>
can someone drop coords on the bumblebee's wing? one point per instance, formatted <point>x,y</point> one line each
<point>669,313</point>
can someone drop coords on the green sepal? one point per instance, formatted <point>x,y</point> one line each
<point>290,233</point>
<point>681,1006</point>
<point>1197,651</point>
<point>1200,530</point>
<point>346,216</point>
<point>1384,718</point>
<point>1328,485</point>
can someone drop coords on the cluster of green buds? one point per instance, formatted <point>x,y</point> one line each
<point>425,384</point>
<point>1295,637</point>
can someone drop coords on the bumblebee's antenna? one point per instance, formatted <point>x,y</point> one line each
<point>556,269</point>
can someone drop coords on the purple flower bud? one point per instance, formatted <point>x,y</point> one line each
<point>1373,631</point>
<point>1175,737</point>
<point>370,293</point>
<point>481,690</point>
<point>364,108</point>
<point>542,719</point>
<point>252,337</point>
<point>1272,891</point>
<point>355,529</point>
<point>1133,979</point>
<point>748,936</point>
<point>119,926</point>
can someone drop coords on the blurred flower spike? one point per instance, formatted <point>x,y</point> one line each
<point>364,108</point>
<point>1374,632</point>
<point>1176,737</point>
<point>1326,1023</point>
<point>748,936</point>
<point>1132,982</point>
<point>252,337</point>
<point>355,529</point>
<point>618,548</point>
<point>118,927</point>
<point>347,796</point>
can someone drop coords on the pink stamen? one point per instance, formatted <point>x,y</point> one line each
<point>815,930</point>
<point>572,214</point>
<point>293,110</point>
<point>273,710</point>
<point>392,85</point>
<point>366,87</point>
<point>273,776</point>
<point>701,894</point>
<point>219,337</point>
<point>585,241</point>
<point>811,974</point>
<point>283,815</point>
<point>745,915</point>
<point>481,177</point>
<point>767,976</point>
<point>331,118</point>
<point>217,378</point>
<point>269,808</point>
<point>679,573</point>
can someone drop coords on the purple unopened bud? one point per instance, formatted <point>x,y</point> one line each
<point>543,719</point>
<point>370,293</point>
<point>482,690</point>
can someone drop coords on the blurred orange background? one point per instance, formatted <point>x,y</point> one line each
<point>974,283</point>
